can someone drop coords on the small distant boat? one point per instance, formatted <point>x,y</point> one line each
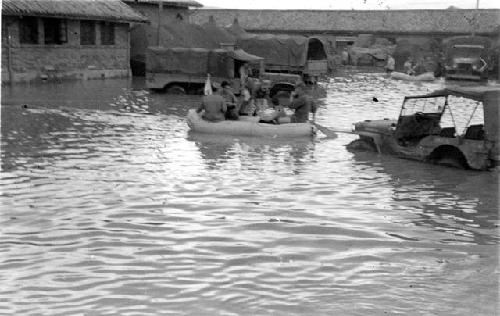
<point>426,76</point>
<point>249,126</point>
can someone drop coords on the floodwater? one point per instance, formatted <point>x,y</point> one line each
<point>109,206</point>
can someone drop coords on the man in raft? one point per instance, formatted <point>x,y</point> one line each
<point>231,101</point>
<point>391,64</point>
<point>214,106</point>
<point>302,104</point>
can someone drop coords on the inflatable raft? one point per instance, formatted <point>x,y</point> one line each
<point>249,126</point>
<point>426,76</point>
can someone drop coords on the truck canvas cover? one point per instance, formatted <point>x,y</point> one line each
<point>195,61</point>
<point>192,61</point>
<point>278,50</point>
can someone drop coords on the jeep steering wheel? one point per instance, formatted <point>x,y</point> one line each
<point>419,117</point>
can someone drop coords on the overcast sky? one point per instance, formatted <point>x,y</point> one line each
<point>348,5</point>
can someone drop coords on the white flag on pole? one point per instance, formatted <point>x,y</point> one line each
<point>208,86</point>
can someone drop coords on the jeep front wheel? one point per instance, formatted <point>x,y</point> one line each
<point>362,144</point>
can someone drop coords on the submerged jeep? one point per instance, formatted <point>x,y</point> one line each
<point>428,129</point>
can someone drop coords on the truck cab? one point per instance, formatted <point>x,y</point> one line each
<point>466,61</point>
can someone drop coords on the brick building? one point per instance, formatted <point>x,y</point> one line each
<point>159,13</point>
<point>54,39</point>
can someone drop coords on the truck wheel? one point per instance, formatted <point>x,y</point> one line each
<point>175,89</point>
<point>282,94</point>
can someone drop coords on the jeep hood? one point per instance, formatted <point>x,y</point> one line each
<point>384,126</point>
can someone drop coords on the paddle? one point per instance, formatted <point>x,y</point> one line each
<point>330,133</point>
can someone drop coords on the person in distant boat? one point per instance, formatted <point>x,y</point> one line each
<point>214,106</point>
<point>391,64</point>
<point>409,67</point>
<point>419,67</point>
<point>247,107</point>
<point>345,56</point>
<point>231,101</point>
<point>440,67</point>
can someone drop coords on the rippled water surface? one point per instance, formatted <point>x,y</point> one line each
<point>110,206</point>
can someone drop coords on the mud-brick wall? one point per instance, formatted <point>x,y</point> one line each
<point>29,62</point>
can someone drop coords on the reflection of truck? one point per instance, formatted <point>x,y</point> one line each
<point>420,132</point>
<point>184,70</point>
<point>466,58</point>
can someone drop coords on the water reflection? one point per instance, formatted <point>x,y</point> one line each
<point>263,153</point>
<point>112,206</point>
<point>444,199</point>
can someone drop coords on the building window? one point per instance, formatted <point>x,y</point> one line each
<point>87,33</point>
<point>56,31</point>
<point>28,30</point>
<point>107,33</point>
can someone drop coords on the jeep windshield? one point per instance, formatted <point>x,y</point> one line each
<point>423,105</point>
<point>439,111</point>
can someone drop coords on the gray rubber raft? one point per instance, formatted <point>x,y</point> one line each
<point>426,76</point>
<point>249,126</point>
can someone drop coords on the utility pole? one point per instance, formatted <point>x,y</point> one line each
<point>475,18</point>
<point>160,9</point>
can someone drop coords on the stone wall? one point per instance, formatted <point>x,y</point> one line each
<point>29,62</point>
<point>399,22</point>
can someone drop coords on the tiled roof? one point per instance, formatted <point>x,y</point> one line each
<point>109,10</point>
<point>397,21</point>
<point>176,3</point>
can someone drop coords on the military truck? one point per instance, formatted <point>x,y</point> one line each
<point>184,70</point>
<point>304,56</point>
<point>467,58</point>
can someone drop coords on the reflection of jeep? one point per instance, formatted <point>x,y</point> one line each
<point>427,129</point>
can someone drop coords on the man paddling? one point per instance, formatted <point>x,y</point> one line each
<point>302,105</point>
